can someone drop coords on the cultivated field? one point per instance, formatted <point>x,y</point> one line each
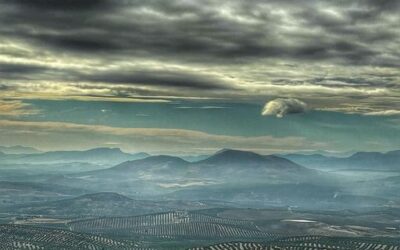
<point>172,225</point>
<point>174,231</point>
<point>311,243</point>
<point>32,238</point>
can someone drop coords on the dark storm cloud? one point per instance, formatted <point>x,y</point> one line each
<point>13,68</point>
<point>200,31</point>
<point>4,87</point>
<point>63,5</point>
<point>158,78</point>
<point>76,43</point>
<point>130,76</point>
<point>387,5</point>
<point>16,71</point>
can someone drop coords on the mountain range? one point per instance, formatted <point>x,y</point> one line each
<point>377,161</point>
<point>229,175</point>
<point>234,164</point>
<point>19,150</point>
<point>96,155</point>
<point>115,156</point>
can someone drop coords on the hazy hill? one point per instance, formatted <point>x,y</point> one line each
<point>360,160</point>
<point>19,150</point>
<point>241,177</point>
<point>96,155</point>
<point>102,204</point>
<point>152,163</point>
<point>232,163</point>
<point>20,192</point>
<point>247,159</point>
<point>159,175</point>
<point>36,187</point>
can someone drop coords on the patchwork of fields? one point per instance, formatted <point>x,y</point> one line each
<point>310,243</point>
<point>35,238</point>
<point>172,225</point>
<point>28,237</point>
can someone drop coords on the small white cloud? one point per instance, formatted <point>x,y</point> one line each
<point>389,112</point>
<point>281,107</point>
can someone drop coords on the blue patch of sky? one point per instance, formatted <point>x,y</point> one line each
<point>238,119</point>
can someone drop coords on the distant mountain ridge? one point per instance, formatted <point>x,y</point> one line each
<point>151,161</point>
<point>239,158</point>
<point>221,159</point>
<point>156,175</point>
<point>228,156</point>
<point>360,160</point>
<point>229,175</point>
<point>19,150</point>
<point>95,155</point>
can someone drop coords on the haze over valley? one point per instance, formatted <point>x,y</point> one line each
<point>140,199</point>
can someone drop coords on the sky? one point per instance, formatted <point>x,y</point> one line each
<point>192,77</point>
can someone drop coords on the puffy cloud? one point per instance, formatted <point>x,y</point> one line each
<point>281,107</point>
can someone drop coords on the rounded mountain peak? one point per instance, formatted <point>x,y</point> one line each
<point>233,156</point>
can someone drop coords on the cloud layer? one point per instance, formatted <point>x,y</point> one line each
<point>207,29</point>
<point>335,55</point>
<point>153,140</point>
<point>16,108</point>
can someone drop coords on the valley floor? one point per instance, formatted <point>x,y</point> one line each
<point>219,228</point>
